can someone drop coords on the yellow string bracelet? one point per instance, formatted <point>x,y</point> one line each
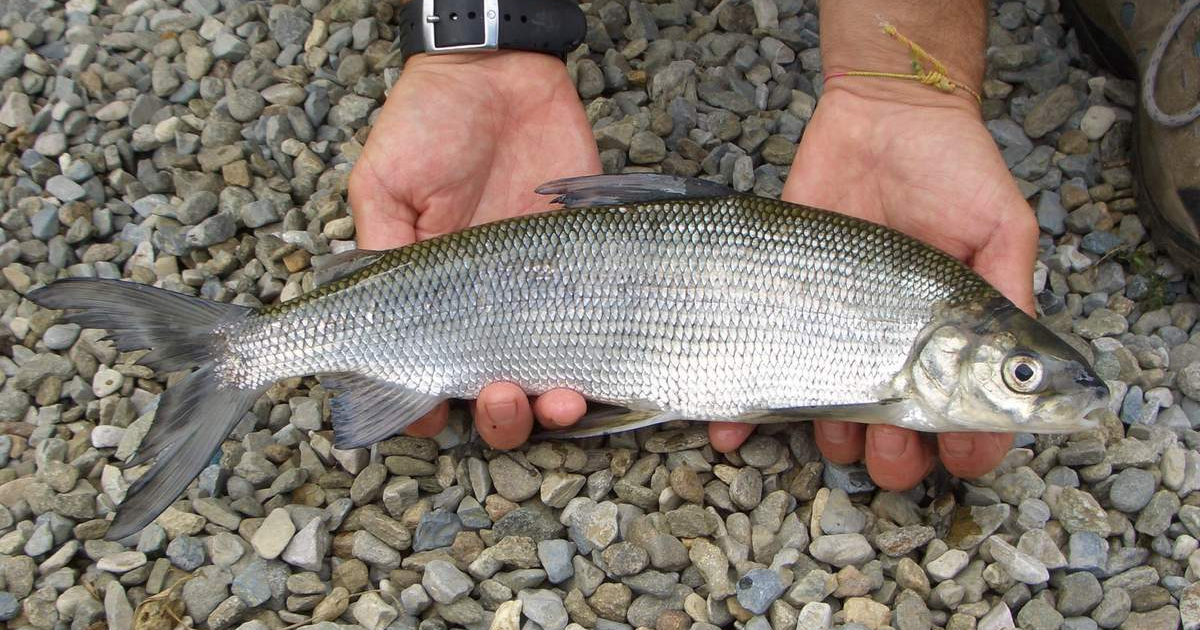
<point>936,77</point>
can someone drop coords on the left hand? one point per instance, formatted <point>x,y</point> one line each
<point>922,162</point>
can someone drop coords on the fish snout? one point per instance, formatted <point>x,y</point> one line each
<point>1088,379</point>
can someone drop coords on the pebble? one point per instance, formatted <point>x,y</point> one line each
<point>273,534</point>
<point>1131,490</point>
<point>758,589</point>
<point>841,549</point>
<point>1022,567</point>
<point>544,608</point>
<point>556,558</point>
<point>444,582</point>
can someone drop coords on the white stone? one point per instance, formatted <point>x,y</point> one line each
<point>274,534</point>
<point>947,565</point>
<point>107,381</point>
<point>1097,121</point>
<point>372,612</point>
<point>508,616</point>
<point>998,618</point>
<point>16,111</point>
<point>815,616</point>
<point>107,436</point>
<point>117,611</point>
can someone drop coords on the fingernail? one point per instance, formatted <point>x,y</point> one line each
<point>958,446</point>
<point>889,442</point>
<point>836,432</point>
<point>503,412</point>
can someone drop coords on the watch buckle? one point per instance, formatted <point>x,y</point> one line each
<point>491,29</point>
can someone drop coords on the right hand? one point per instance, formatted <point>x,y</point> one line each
<point>465,139</point>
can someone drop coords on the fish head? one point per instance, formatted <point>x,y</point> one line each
<point>992,367</point>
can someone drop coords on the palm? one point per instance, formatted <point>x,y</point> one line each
<point>454,146</point>
<point>933,174</point>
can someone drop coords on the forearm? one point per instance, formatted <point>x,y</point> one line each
<point>952,31</point>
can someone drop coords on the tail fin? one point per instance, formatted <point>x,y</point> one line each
<point>194,416</point>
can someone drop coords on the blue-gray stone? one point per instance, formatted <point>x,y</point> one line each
<point>186,552</point>
<point>436,529</point>
<point>1009,134</point>
<point>1087,551</point>
<point>556,556</point>
<point>1080,166</point>
<point>538,524</point>
<point>472,515</point>
<point>1126,558</point>
<point>1100,242</point>
<point>1051,215</point>
<point>45,223</point>
<point>758,589</point>
<point>1131,489</point>
<point>1034,165</point>
<point>9,606</point>
<point>852,478</point>
<point>260,581</point>
<point>1131,406</point>
<point>1011,15</point>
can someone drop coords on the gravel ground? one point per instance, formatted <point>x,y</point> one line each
<point>205,148</point>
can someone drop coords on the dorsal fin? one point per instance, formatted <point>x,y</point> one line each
<point>598,190</point>
<point>341,265</point>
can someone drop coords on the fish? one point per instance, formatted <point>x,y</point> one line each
<point>658,298</point>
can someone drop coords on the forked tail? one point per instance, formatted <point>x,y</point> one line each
<point>194,416</point>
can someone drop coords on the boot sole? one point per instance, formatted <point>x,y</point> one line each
<point>1112,56</point>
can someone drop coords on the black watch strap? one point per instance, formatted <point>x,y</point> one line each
<point>549,26</point>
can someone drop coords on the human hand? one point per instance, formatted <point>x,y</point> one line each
<point>465,139</point>
<point>921,162</point>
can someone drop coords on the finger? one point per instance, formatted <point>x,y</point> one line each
<point>897,459</point>
<point>840,442</point>
<point>502,415</point>
<point>728,436</point>
<point>971,455</point>
<point>431,423</point>
<point>559,408</point>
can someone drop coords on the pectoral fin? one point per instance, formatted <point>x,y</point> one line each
<point>887,411</point>
<point>609,421</point>
<point>617,420</point>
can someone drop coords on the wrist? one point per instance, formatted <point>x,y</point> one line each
<point>897,93</point>
<point>853,39</point>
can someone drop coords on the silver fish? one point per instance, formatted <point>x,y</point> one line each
<point>677,300</point>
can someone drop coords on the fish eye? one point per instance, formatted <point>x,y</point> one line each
<point>1022,374</point>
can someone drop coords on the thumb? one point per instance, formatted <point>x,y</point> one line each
<point>1007,258</point>
<point>381,221</point>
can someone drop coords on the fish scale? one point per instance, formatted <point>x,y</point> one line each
<point>708,307</point>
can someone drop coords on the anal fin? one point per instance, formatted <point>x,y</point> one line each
<point>369,410</point>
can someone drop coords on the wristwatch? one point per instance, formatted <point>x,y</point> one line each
<point>451,26</point>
